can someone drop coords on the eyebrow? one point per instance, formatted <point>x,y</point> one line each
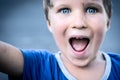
<point>60,5</point>
<point>94,4</point>
<point>89,3</point>
<point>94,0</point>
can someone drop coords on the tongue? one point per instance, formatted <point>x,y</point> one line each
<point>79,44</point>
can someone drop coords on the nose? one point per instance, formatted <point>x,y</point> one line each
<point>79,21</point>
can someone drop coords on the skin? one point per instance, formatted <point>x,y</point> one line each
<point>79,18</point>
<point>11,59</point>
<point>75,21</point>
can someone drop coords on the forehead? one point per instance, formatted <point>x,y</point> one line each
<point>77,2</point>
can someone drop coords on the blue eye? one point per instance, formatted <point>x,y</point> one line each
<point>91,10</point>
<point>65,10</point>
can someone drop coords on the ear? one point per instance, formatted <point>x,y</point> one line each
<point>49,25</point>
<point>108,24</point>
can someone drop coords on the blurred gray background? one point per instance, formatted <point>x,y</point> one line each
<point>23,25</point>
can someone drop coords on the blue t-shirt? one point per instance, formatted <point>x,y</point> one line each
<point>43,65</point>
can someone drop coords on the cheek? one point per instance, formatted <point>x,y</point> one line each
<point>58,24</point>
<point>98,25</point>
<point>59,36</point>
<point>58,30</point>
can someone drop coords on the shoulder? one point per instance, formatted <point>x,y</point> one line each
<point>41,54</point>
<point>115,57</point>
<point>115,62</point>
<point>35,51</point>
<point>115,66</point>
<point>38,63</point>
<point>38,56</point>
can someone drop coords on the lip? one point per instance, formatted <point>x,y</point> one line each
<point>82,52</point>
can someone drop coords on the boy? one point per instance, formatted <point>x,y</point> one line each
<point>78,26</point>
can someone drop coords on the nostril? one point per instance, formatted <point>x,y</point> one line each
<point>79,27</point>
<point>79,24</point>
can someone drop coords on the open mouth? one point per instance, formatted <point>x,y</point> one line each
<point>79,44</point>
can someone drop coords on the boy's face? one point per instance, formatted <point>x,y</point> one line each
<point>78,27</point>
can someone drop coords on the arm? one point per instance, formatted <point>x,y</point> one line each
<point>11,59</point>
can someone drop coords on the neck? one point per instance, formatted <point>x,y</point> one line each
<point>95,68</point>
